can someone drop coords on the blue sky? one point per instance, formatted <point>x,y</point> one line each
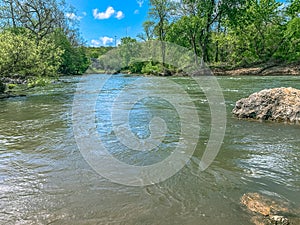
<point>101,20</point>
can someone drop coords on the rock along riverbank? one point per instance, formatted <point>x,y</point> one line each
<point>262,70</point>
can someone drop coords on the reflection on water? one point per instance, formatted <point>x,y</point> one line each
<point>45,180</point>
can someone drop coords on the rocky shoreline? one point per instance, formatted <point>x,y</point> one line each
<point>262,70</point>
<point>13,80</point>
<point>8,83</point>
<point>10,95</point>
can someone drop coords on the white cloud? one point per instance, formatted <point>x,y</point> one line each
<point>120,15</point>
<point>136,12</point>
<point>103,41</point>
<point>84,13</point>
<point>106,40</point>
<point>72,16</point>
<point>110,11</point>
<point>95,43</point>
<point>118,42</point>
<point>104,15</point>
<point>140,3</point>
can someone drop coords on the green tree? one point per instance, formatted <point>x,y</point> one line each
<point>74,58</point>
<point>57,48</point>
<point>148,34</point>
<point>160,15</point>
<point>40,17</point>
<point>188,27</point>
<point>195,21</point>
<point>127,49</point>
<point>20,55</point>
<point>254,32</point>
<point>291,48</point>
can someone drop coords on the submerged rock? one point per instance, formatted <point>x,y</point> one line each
<point>263,205</point>
<point>278,104</point>
<point>266,210</point>
<point>279,220</point>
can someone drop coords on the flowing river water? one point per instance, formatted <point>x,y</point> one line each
<point>44,179</point>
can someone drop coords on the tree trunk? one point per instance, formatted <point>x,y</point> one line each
<point>205,55</point>
<point>13,19</point>
<point>193,41</point>
<point>217,42</point>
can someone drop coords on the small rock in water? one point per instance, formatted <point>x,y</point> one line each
<point>279,220</point>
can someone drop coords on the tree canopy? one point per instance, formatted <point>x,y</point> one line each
<point>37,39</point>
<point>230,32</point>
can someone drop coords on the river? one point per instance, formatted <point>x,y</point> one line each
<point>44,178</point>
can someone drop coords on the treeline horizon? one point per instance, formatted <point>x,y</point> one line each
<point>37,38</point>
<point>227,33</point>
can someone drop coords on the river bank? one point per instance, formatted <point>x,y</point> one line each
<point>19,86</point>
<point>259,70</point>
<point>264,69</point>
<point>13,84</point>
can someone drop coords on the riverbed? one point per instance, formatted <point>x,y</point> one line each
<point>44,178</point>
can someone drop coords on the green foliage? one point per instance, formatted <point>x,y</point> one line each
<point>291,48</point>
<point>232,32</point>
<point>74,59</point>
<point>49,59</point>
<point>96,52</point>
<point>11,86</point>
<point>136,67</point>
<point>82,61</point>
<point>188,29</point>
<point>151,69</point>
<point>258,32</point>
<point>38,82</point>
<point>17,53</point>
<point>294,9</point>
<point>21,55</point>
<point>128,49</point>
<point>39,40</point>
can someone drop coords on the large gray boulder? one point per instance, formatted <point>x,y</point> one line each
<point>278,104</point>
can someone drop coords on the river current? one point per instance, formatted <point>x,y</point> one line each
<point>44,178</point>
